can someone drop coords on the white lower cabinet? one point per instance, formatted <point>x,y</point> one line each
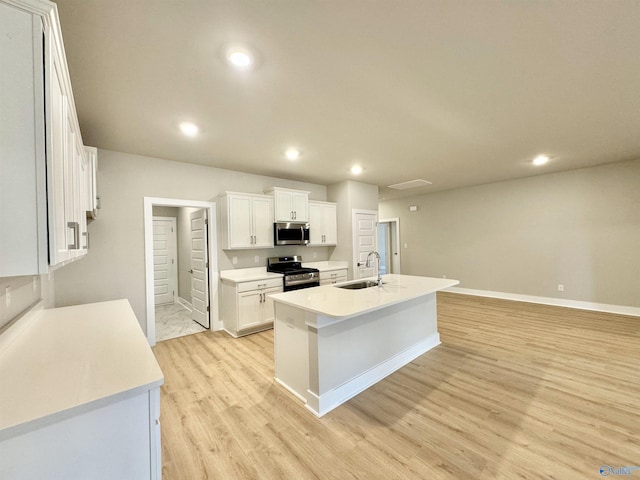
<point>246,306</point>
<point>117,440</point>
<point>333,276</point>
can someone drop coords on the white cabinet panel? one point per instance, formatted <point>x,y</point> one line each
<point>246,221</point>
<point>91,181</point>
<point>323,224</point>
<point>263,222</point>
<point>333,276</point>
<point>23,216</point>
<point>290,205</point>
<point>246,306</point>
<point>42,212</point>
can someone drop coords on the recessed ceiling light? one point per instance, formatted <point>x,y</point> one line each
<point>189,129</point>
<point>292,153</point>
<point>239,57</point>
<point>540,160</point>
<point>356,169</point>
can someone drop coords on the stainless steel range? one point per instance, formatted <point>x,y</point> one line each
<point>295,276</point>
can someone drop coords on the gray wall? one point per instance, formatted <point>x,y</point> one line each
<point>579,228</point>
<point>114,267</point>
<point>349,195</point>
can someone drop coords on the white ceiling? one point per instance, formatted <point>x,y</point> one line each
<point>454,92</point>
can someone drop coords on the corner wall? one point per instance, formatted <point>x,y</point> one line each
<point>349,195</point>
<point>579,228</point>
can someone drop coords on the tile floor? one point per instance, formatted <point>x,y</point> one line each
<point>173,320</point>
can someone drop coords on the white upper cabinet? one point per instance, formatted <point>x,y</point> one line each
<point>23,215</point>
<point>91,182</point>
<point>290,205</point>
<point>43,162</point>
<point>323,224</point>
<point>246,221</point>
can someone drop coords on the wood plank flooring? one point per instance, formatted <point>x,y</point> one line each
<point>516,390</point>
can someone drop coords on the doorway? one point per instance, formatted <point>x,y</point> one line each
<point>188,304</point>
<point>389,245</point>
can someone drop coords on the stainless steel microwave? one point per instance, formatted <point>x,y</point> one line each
<point>290,233</point>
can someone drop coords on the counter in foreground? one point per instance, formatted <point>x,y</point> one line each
<point>333,343</point>
<point>80,396</point>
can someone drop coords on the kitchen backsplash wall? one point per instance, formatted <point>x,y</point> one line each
<point>24,293</point>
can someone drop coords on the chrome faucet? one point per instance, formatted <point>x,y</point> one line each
<point>368,264</point>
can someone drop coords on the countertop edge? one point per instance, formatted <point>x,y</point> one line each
<point>281,297</point>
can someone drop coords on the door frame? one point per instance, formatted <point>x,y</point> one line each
<point>149,203</point>
<point>354,236</point>
<point>174,273</point>
<point>396,221</point>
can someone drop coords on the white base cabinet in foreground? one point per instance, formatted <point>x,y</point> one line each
<point>80,396</point>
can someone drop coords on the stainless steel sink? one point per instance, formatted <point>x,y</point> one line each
<point>359,285</point>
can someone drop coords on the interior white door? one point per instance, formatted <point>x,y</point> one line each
<point>165,254</point>
<point>364,241</point>
<point>199,268</point>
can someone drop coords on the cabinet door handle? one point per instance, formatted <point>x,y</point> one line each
<point>86,236</point>
<point>262,285</point>
<point>76,235</point>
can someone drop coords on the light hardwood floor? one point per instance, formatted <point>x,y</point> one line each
<point>516,390</point>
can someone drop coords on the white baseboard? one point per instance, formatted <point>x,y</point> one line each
<point>320,405</point>
<point>184,303</point>
<point>558,302</point>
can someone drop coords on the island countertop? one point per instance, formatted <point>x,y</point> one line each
<point>340,303</point>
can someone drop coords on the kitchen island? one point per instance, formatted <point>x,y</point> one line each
<point>331,343</point>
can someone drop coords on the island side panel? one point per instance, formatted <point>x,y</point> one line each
<point>356,353</point>
<point>291,349</point>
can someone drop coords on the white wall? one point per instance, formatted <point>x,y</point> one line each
<point>579,228</point>
<point>114,267</point>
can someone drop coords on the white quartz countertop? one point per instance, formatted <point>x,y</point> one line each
<point>61,362</point>
<point>327,265</point>
<point>333,302</point>
<point>248,274</point>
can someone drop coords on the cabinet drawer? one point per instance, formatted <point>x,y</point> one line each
<point>333,275</point>
<point>259,284</point>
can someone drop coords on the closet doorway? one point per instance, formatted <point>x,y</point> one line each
<point>181,268</point>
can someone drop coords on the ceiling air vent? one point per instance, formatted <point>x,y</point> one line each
<point>410,184</point>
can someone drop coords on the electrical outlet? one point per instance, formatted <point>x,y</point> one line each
<point>7,296</point>
<point>560,287</point>
<point>405,245</point>
<point>256,259</point>
<point>444,276</point>
<point>234,260</point>
<point>34,284</point>
<point>315,254</point>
